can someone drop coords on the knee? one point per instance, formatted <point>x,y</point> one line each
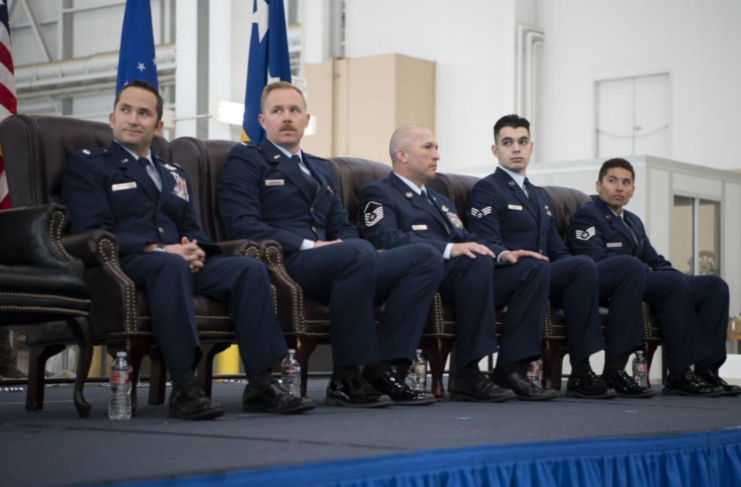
<point>423,255</point>
<point>584,264</point>
<point>719,286</point>
<point>628,266</point>
<point>173,265</point>
<point>359,252</point>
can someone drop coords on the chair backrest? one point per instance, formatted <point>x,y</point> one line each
<point>36,148</point>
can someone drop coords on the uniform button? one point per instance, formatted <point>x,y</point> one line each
<point>161,230</point>
<point>313,229</point>
<point>540,250</point>
<point>311,209</point>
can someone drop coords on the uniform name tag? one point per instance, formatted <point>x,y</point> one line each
<point>515,207</point>
<point>419,227</point>
<point>612,245</point>
<point>275,182</point>
<point>122,186</point>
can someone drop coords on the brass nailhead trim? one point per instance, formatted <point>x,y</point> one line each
<point>56,224</point>
<point>107,250</point>
<point>46,296</point>
<point>46,308</point>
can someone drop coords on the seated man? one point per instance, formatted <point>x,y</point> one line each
<point>400,211</point>
<point>692,311</point>
<point>144,201</point>
<point>274,190</point>
<point>513,216</point>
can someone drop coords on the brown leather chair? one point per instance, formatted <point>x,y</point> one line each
<point>41,282</point>
<point>36,150</point>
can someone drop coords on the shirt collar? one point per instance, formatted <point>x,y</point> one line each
<point>411,185</point>
<point>287,153</point>
<point>619,215</point>
<point>134,154</point>
<point>518,178</point>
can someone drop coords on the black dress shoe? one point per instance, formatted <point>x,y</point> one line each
<point>521,386</point>
<point>712,378</point>
<point>190,402</point>
<point>626,386</point>
<point>687,383</point>
<point>399,392</point>
<point>588,386</point>
<point>354,392</point>
<point>476,387</point>
<point>270,397</point>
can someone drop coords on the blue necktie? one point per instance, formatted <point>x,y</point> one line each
<point>152,171</point>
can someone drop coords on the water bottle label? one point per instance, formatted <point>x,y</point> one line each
<point>119,377</point>
<point>420,370</point>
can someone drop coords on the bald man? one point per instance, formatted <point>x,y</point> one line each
<point>401,211</point>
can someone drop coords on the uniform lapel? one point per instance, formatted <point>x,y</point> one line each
<point>288,167</point>
<point>130,166</point>
<point>618,224</point>
<point>168,182</point>
<point>311,165</point>
<point>418,201</point>
<point>517,193</point>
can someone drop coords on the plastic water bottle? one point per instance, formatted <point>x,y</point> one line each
<point>120,406</point>
<point>291,374</point>
<point>640,369</point>
<point>417,378</point>
<point>535,372</point>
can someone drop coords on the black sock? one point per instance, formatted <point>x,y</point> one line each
<point>183,378</point>
<point>339,373</point>
<point>614,364</point>
<point>375,370</point>
<point>264,377</point>
<point>581,368</point>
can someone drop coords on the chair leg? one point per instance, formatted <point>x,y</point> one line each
<point>305,346</point>
<point>157,380</point>
<point>82,329</point>
<point>39,354</point>
<point>437,350</point>
<point>554,351</point>
<point>649,349</point>
<point>206,365</point>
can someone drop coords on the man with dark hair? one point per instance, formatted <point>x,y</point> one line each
<point>692,311</point>
<point>145,202</point>
<point>401,211</point>
<point>516,219</point>
<point>274,190</point>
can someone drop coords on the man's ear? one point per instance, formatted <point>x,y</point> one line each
<point>159,128</point>
<point>495,150</point>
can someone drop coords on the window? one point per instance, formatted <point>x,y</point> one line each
<point>696,236</point>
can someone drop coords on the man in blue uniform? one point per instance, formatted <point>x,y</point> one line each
<point>145,202</point>
<point>400,211</point>
<point>512,215</point>
<point>274,190</point>
<point>692,311</point>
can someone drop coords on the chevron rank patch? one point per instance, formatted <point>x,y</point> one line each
<point>480,213</point>
<point>373,213</point>
<point>586,234</point>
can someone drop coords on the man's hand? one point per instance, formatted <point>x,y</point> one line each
<point>322,243</point>
<point>188,250</point>
<point>513,256</point>
<point>470,250</point>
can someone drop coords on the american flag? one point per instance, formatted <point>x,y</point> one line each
<point>8,104</point>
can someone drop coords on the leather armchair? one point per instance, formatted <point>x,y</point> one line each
<point>40,282</point>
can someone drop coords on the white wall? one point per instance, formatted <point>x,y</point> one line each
<point>468,43</point>
<point>698,43</point>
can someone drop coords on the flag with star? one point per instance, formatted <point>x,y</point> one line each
<point>136,59</point>
<point>8,102</point>
<point>268,59</point>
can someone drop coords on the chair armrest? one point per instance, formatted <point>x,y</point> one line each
<point>289,294</point>
<point>240,247</point>
<point>86,246</point>
<point>30,236</point>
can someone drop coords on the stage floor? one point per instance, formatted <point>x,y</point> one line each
<point>53,447</point>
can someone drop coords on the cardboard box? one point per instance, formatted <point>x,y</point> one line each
<point>359,102</point>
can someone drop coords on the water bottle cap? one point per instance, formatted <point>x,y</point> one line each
<point>419,351</point>
<point>121,354</point>
<point>291,350</point>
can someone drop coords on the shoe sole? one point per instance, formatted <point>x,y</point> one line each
<point>267,409</point>
<point>677,392</point>
<point>333,401</point>
<point>420,402</point>
<point>644,395</point>
<point>732,393</point>
<point>537,398</point>
<point>202,415</point>
<point>579,395</point>
<point>459,397</point>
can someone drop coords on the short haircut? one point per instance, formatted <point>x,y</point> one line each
<point>513,121</point>
<point>279,85</point>
<point>144,86</point>
<point>402,138</point>
<point>617,162</point>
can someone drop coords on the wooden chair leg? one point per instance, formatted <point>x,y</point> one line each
<point>649,350</point>
<point>39,354</point>
<point>206,365</point>
<point>157,380</point>
<point>437,351</point>
<point>554,351</point>
<point>305,346</point>
<point>82,329</point>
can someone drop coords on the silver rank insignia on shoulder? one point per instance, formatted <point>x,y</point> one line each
<point>124,161</point>
<point>409,194</point>
<point>171,168</point>
<point>445,208</point>
<point>277,156</point>
<point>373,213</point>
<point>609,217</point>
<point>86,152</point>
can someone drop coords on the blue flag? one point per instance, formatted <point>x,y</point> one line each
<point>268,55</point>
<point>136,59</point>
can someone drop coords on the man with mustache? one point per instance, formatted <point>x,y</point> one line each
<point>413,214</point>
<point>274,190</point>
